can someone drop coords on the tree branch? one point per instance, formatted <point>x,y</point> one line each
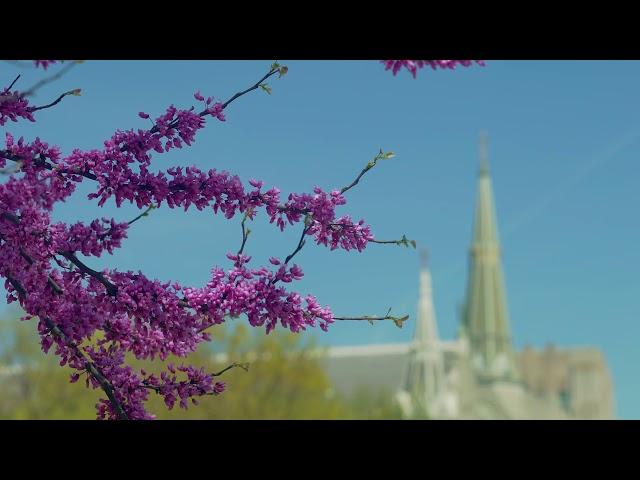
<point>244,366</point>
<point>403,242</point>
<point>13,83</point>
<point>399,321</point>
<point>56,101</point>
<point>143,214</point>
<point>90,367</point>
<point>369,166</point>
<point>112,289</point>
<point>245,231</point>
<point>50,79</point>
<point>273,71</point>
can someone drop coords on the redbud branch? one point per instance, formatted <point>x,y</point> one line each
<point>399,321</point>
<point>17,286</point>
<point>49,79</point>
<point>11,217</point>
<point>368,167</point>
<point>143,214</point>
<point>13,83</point>
<point>245,232</point>
<point>48,166</point>
<point>130,222</point>
<point>301,243</point>
<point>244,366</point>
<point>55,102</point>
<point>176,122</point>
<point>91,368</point>
<point>16,158</point>
<point>404,241</point>
<point>254,87</point>
<point>112,289</point>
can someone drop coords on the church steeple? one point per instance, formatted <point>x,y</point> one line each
<point>486,319</point>
<point>425,380</point>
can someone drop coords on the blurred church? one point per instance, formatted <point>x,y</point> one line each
<point>479,375</point>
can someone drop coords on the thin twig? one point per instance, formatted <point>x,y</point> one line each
<point>13,83</point>
<point>143,214</point>
<point>399,321</point>
<point>56,101</point>
<point>49,79</point>
<point>245,231</point>
<point>253,87</point>
<point>301,243</point>
<point>244,366</point>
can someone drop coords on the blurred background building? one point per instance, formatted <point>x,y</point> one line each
<point>479,375</point>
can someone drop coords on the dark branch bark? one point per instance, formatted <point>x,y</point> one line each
<point>112,289</point>
<point>55,102</point>
<point>91,368</point>
<point>245,232</point>
<point>13,83</point>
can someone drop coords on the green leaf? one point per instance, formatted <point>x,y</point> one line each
<point>266,88</point>
<point>400,321</point>
<point>283,71</point>
<point>75,92</point>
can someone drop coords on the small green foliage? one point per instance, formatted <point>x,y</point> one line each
<point>266,88</point>
<point>405,242</point>
<point>400,321</point>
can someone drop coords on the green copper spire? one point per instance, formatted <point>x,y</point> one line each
<point>486,319</point>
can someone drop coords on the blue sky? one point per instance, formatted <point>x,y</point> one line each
<point>564,138</point>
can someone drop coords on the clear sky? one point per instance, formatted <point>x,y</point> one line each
<point>564,138</point>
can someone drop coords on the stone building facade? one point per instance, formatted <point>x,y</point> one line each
<point>479,375</point>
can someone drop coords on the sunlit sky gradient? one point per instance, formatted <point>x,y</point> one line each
<point>564,139</point>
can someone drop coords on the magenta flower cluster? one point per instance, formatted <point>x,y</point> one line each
<point>95,320</point>
<point>134,315</point>
<point>14,106</point>
<point>44,63</point>
<point>414,65</point>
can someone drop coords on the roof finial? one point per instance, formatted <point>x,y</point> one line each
<point>484,153</point>
<point>424,258</point>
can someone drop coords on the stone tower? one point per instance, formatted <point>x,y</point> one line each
<point>485,322</point>
<point>425,379</point>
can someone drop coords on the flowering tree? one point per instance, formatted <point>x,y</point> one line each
<point>94,319</point>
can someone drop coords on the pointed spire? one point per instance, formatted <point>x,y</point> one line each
<point>484,153</point>
<point>426,327</point>
<point>486,320</point>
<point>424,258</point>
<point>425,380</point>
